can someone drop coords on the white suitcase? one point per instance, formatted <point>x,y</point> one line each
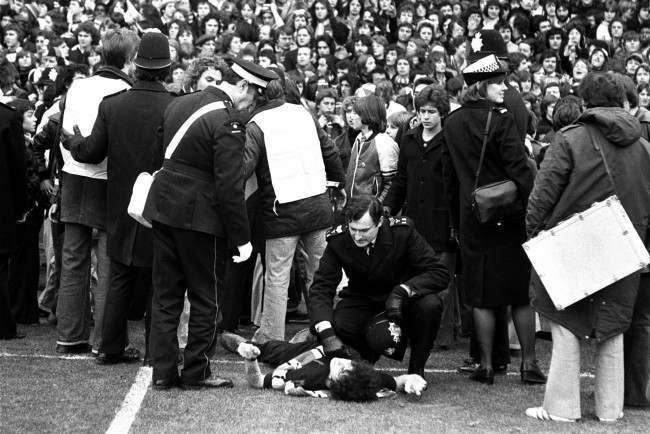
<point>587,252</point>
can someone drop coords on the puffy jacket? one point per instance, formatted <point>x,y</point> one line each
<point>373,164</point>
<point>572,177</point>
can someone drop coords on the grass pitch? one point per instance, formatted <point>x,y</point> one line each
<point>42,393</point>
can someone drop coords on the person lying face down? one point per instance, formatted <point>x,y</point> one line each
<point>303,370</point>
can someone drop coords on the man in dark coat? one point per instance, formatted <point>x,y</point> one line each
<point>12,198</point>
<point>637,337</point>
<point>572,177</point>
<point>127,132</point>
<point>418,190</point>
<point>197,207</point>
<point>390,268</point>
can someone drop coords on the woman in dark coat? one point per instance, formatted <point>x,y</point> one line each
<point>571,178</point>
<point>495,270</point>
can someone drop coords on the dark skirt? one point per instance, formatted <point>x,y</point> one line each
<point>498,276</point>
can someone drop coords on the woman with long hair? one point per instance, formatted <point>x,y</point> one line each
<point>495,268</point>
<point>373,159</point>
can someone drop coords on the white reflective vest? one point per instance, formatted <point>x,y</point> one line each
<point>293,152</point>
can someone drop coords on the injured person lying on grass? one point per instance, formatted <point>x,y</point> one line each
<point>302,369</point>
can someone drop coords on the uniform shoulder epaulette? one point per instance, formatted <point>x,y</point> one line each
<point>399,221</point>
<point>336,230</point>
<point>119,92</point>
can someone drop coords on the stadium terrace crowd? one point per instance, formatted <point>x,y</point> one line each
<point>320,161</point>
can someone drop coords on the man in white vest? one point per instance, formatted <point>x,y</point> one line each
<point>83,198</point>
<point>293,159</point>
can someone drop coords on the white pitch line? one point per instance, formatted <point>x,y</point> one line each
<point>131,405</point>
<point>48,356</point>
<point>241,362</point>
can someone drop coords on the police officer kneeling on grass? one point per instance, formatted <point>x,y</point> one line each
<point>394,278</point>
<point>197,207</point>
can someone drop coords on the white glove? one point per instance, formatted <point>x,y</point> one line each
<point>414,384</point>
<point>245,251</point>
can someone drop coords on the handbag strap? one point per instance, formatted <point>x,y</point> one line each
<point>188,123</point>
<point>599,148</point>
<point>485,137</point>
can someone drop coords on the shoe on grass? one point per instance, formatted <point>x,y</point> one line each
<point>73,349</point>
<point>129,355</point>
<point>541,414</point>
<point>230,341</point>
<point>606,420</point>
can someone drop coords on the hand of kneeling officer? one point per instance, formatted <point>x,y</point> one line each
<point>395,302</point>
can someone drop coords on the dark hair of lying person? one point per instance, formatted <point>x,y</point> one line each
<point>359,384</point>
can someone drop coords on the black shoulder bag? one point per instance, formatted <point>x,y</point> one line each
<point>496,202</point>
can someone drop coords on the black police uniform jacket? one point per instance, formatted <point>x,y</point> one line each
<point>400,256</point>
<point>12,176</point>
<point>127,131</point>
<point>495,267</point>
<point>201,187</point>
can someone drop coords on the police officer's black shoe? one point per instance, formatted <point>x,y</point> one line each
<point>212,382</point>
<point>129,355</point>
<point>165,383</point>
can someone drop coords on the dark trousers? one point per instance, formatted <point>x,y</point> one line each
<point>24,270</point>
<point>276,353</point>
<point>637,349</point>
<point>184,259</point>
<point>7,323</point>
<point>234,297</point>
<point>421,322</point>
<point>121,292</point>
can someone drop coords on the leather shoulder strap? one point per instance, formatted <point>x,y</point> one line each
<point>485,137</point>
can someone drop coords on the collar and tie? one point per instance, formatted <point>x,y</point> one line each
<point>369,248</point>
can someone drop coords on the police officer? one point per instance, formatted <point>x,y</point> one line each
<point>197,208</point>
<point>482,145</point>
<point>391,268</point>
<point>127,132</point>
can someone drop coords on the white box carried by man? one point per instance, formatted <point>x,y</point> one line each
<point>587,252</point>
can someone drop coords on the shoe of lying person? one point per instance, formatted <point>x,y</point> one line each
<point>230,341</point>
